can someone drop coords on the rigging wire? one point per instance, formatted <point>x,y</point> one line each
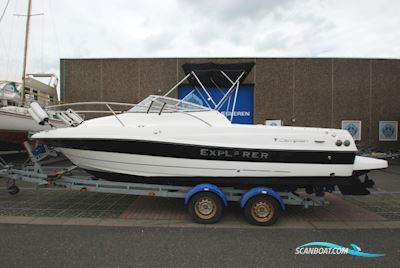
<point>11,34</point>
<point>13,61</point>
<point>4,11</point>
<point>43,36</point>
<point>1,18</point>
<point>52,13</point>
<point>54,26</point>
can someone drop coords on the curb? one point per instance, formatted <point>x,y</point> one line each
<point>111,222</point>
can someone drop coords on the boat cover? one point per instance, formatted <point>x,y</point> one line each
<point>210,73</point>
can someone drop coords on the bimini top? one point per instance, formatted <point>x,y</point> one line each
<point>162,104</point>
<point>214,75</point>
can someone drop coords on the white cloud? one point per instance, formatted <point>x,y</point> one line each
<point>210,28</point>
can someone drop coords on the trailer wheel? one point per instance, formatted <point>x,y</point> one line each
<point>262,210</point>
<point>13,190</point>
<point>205,208</point>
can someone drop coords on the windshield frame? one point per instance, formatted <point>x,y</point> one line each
<point>163,104</point>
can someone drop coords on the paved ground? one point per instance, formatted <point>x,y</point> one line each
<point>388,180</point>
<point>386,205</point>
<point>59,203</point>
<point>80,246</point>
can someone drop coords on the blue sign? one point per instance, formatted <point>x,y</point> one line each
<point>243,113</point>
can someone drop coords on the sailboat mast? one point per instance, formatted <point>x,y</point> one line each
<point>28,19</point>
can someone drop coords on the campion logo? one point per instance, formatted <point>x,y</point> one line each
<point>325,248</point>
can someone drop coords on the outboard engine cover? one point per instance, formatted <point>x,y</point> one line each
<point>38,114</point>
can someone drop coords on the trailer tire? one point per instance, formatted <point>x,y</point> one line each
<point>13,190</point>
<point>262,210</point>
<point>205,207</point>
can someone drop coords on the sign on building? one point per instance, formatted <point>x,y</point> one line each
<point>273,122</point>
<point>243,113</point>
<point>388,130</point>
<point>353,127</point>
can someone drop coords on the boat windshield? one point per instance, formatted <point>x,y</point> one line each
<point>157,104</point>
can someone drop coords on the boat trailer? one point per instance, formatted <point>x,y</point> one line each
<point>262,205</point>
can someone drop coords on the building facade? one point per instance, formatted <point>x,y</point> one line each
<point>317,92</point>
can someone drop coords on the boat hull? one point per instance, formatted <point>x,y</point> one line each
<point>11,142</point>
<point>182,171</point>
<point>16,124</point>
<point>314,178</point>
<point>277,183</point>
<point>17,121</point>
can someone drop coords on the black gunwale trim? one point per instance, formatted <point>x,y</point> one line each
<point>204,152</point>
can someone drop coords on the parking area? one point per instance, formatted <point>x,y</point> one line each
<point>381,208</point>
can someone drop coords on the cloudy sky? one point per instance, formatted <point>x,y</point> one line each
<point>199,28</point>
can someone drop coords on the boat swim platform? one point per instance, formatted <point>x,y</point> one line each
<point>64,207</point>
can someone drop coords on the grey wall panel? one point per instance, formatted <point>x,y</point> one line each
<point>157,76</point>
<point>351,94</point>
<point>120,80</point>
<point>313,92</point>
<point>385,98</point>
<point>273,94</point>
<point>82,83</point>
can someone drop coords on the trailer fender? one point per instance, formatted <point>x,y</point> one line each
<point>261,190</point>
<point>206,187</point>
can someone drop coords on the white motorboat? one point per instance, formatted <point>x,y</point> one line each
<point>169,141</point>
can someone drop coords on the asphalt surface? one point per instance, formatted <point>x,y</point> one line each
<point>82,246</point>
<point>387,180</point>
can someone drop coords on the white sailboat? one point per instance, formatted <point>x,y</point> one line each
<point>16,124</point>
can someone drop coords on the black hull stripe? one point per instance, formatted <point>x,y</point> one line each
<point>204,152</point>
<point>238,182</point>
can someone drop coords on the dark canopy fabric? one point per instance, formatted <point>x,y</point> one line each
<point>210,76</point>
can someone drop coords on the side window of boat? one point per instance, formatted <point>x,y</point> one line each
<point>10,88</point>
<point>35,95</point>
